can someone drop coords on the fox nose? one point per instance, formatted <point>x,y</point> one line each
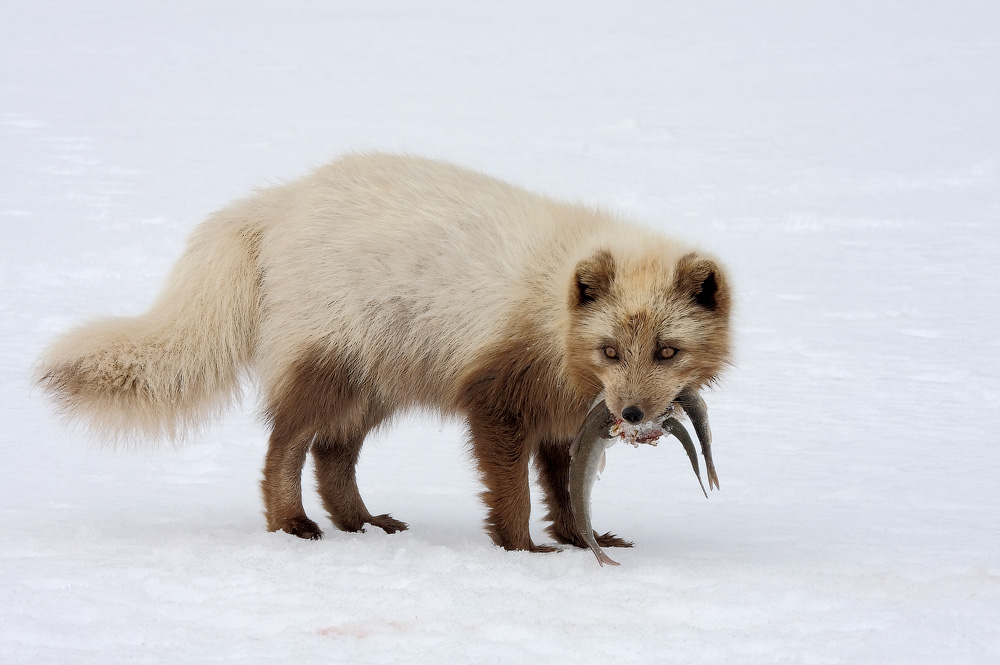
<point>633,414</point>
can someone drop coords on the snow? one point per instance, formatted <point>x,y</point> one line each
<point>842,158</point>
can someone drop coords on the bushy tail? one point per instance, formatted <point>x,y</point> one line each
<point>179,364</point>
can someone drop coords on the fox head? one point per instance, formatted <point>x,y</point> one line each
<point>645,326</point>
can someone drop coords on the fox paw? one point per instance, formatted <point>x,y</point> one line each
<point>611,540</point>
<point>574,538</point>
<point>303,527</point>
<point>387,523</point>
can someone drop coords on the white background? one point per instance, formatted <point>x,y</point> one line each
<point>843,159</point>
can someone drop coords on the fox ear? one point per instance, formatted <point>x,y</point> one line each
<point>704,280</point>
<point>592,279</point>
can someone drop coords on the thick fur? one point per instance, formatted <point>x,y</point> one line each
<point>380,283</point>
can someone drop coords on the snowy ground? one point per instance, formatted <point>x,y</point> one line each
<point>843,158</point>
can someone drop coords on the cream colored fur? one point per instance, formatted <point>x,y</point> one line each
<point>410,268</point>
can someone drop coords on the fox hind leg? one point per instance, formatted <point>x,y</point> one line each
<point>336,458</point>
<point>323,405</point>
<point>282,485</point>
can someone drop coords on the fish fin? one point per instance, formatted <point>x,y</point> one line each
<point>603,558</point>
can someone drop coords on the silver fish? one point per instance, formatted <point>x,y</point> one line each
<point>587,453</point>
<point>696,409</point>
<point>674,426</point>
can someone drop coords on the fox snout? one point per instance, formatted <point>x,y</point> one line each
<point>632,414</point>
<point>635,411</point>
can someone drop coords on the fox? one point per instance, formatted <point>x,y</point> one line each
<point>379,284</point>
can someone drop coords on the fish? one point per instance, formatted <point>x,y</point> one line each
<point>696,409</point>
<point>587,462</point>
<point>675,427</point>
<point>600,430</point>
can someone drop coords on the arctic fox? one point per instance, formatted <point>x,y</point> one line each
<point>380,283</point>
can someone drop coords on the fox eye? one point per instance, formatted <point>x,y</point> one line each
<point>611,352</point>
<point>666,353</point>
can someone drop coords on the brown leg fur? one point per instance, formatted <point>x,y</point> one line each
<point>552,461</point>
<point>335,463</point>
<point>510,398</point>
<point>282,485</point>
<point>503,462</point>
<point>318,391</point>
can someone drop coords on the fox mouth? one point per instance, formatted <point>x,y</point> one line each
<point>649,431</point>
